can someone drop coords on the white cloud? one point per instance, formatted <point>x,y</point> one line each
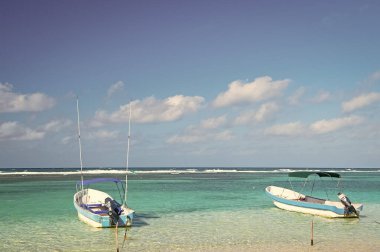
<point>187,138</point>
<point>14,102</point>
<point>322,96</point>
<point>260,89</point>
<point>225,135</point>
<point>56,125</point>
<point>245,117</point>
<point>371,81</point>
<point>103,134</point>
<point>213,123</point>
<point>264,112</point>
<point>151,110</point>
<point>375,76</point>
<point>67,139</point>
<point>288,129</point>
<point>15,131</point>
<point>326,126</point>
<point>360,101</point>
<point>116,87</point>
<point>318,127</point>
<point>295,98</point>
<point>198,135</point>
<point>207,130</point>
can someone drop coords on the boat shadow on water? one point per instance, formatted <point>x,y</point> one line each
<point>142,219</point>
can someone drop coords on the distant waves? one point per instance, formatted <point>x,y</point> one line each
<point>172,171</point>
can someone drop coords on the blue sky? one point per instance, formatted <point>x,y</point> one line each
<point>211,83</point>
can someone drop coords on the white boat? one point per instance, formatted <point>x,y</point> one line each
<point>98,208</point>
<point>294,201</point>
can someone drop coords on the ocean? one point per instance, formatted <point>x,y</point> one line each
<point>184,209</point>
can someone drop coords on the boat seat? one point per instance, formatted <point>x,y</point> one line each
<point>90,207</point>
<point>93,205</point>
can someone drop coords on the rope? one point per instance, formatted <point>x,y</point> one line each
<point>118,189</point>
<point>291,185</point>
<point>125,233</point>
<point>304,184</point>
<point>117,238</point>
<point>312,188</point>
<point>326,188</point>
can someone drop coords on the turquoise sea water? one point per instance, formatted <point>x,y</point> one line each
<point>183,210</point>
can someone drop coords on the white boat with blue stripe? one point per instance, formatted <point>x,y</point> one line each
<point>294,201</point>
<point>99,209</point>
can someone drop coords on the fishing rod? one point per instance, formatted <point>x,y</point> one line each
<point>80,145</point>
<point>127,169</point>
<point>127,162</point>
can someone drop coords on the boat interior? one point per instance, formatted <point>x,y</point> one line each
<point>311,199</point>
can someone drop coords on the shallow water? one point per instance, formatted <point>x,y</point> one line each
<point>206,211</point>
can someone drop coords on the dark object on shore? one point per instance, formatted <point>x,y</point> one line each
<point>312,233</point>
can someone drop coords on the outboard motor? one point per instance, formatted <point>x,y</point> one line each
<point>114,209</point>
<point>347,203</point>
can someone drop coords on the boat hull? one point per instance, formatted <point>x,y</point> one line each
<point>293,201</point>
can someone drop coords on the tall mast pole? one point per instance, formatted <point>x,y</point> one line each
<point>80,146</point>
<point>127,165</point>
